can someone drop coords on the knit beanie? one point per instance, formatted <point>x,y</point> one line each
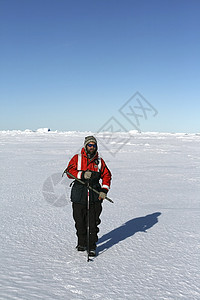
<point>89,139</point>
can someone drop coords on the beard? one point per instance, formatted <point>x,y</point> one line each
<point>91,152</point>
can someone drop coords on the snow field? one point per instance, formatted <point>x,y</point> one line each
<point>149,238</point>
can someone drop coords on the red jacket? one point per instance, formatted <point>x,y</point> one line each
<point>80,163</point>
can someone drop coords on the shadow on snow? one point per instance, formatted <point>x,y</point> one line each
<point>126,230</point>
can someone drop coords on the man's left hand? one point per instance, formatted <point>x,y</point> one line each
<point>102,196</point>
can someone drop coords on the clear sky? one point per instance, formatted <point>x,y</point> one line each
<point>72,64</point>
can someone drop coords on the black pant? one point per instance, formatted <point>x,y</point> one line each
<point>80,218</point>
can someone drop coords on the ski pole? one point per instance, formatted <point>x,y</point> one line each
<point>89,187</point>
<point>88,221</point>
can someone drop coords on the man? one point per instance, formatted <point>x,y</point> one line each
<point>88,167</point>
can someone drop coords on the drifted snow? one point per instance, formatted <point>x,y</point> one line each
<point>43,130</point>
<point>149,238</point>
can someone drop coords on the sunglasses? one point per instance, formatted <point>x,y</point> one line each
<point>92,145</point>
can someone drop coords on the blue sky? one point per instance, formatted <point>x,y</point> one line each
<point>71,65</point>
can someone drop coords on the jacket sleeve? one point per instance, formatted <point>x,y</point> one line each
<point>72,167</point>
<point>105,176</point>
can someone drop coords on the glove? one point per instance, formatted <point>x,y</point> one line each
<point>87,174</point>
<point>102,196</point>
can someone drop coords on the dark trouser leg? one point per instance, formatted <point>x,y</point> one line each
<point>95,211</point>
<point>80,218</point>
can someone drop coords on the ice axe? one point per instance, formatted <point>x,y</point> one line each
<point>84,183</point>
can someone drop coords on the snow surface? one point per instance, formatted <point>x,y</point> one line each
<point>149,240</point>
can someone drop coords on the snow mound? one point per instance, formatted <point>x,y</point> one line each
<point>43,130</point>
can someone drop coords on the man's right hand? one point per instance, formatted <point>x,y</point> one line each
<point>87,174</point>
